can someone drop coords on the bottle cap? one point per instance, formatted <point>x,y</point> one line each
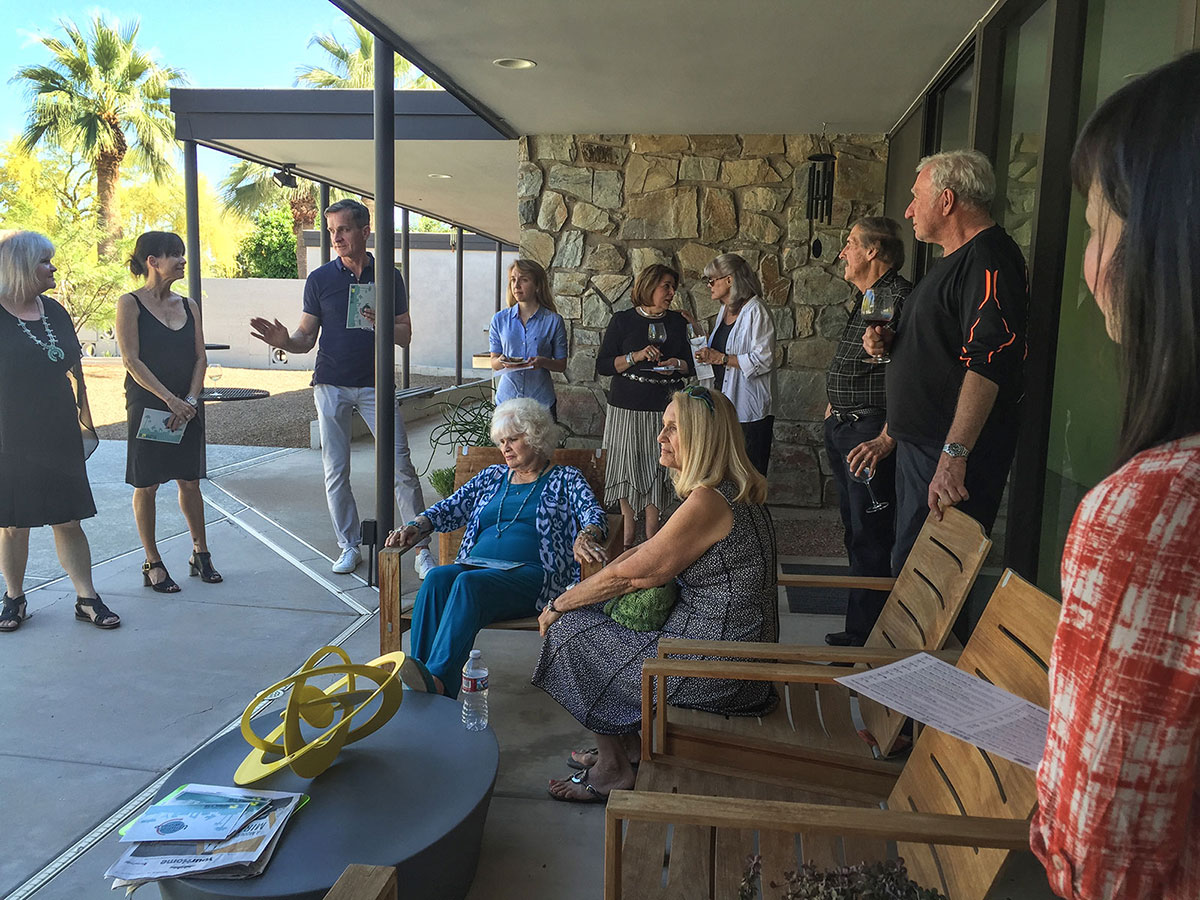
<point>475,654</point>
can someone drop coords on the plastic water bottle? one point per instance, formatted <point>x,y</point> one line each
<point>475,693</point>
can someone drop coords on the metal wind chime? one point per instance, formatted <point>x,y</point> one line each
<point>820,189</point>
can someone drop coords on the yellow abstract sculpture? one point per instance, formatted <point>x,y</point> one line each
<point>317,707</point>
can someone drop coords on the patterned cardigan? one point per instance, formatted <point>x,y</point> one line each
<point>567,505</point>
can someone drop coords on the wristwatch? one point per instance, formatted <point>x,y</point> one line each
<point>956,451</point>
<point>550,605</point>
<point>191,400</point>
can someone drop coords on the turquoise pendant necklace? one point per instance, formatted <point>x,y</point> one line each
<point>53,351</point>
<point>520,509</point>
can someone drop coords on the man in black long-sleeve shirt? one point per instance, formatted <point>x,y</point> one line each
<point>954,383</point>
<point>856,431</point>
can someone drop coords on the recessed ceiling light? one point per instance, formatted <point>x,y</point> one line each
<point>439,175</point>
<point>514,62</point>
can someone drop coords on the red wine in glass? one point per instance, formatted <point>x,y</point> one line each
<point>876,310</point>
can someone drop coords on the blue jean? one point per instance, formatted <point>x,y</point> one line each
<point>455,602</point>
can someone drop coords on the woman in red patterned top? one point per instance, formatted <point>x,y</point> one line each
<point>1119,785</point>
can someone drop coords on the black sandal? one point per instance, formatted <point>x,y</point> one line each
<point>166,586</point>
<point>93,610</point>
<point>201,564</point>
<point>13,613</point>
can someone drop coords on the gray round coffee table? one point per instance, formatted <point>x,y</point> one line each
<point>413,795</point>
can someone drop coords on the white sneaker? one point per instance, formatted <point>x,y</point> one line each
<point>423,562</point>
<point>347,562</point>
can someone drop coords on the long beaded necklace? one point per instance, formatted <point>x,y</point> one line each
<point>520,509</point>
<point>53,351</point>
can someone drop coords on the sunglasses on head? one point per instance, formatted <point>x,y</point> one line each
<point>698,392</point>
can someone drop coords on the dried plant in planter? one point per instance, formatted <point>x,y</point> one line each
<point>867,881</point>
<point>467,423</point>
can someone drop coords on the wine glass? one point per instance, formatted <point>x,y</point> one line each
<point>877,310</point>
<point>214,375</point>
<point>864,477</point>
<point>656,333</point>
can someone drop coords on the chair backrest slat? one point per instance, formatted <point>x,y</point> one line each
<point>1011,648</point>
<point>928,595</point>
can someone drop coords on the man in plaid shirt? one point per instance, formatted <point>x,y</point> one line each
<point>856,438</point>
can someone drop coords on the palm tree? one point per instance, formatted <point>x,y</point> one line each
<point>250,186</point>
<point>98,92</point>
<point>354,67</point>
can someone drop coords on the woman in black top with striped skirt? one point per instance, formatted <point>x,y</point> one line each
<point>646,351</point>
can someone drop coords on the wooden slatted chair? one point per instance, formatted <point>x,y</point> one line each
<point>813,721</point>
<point>469,462</point>
<point>954,815</point>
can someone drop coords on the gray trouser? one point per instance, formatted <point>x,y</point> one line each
<point>334,406</point>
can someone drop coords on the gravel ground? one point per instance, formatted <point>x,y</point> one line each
<point>280,420</point>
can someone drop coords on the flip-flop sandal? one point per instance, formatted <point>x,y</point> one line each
<point>576,764</point>
<point>591,796</point>
<point>416,677</point>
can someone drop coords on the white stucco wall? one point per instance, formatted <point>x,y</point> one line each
<point>229,304</point>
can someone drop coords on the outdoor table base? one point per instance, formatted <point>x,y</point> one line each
<point>228,395</point>
<point>413,795</point>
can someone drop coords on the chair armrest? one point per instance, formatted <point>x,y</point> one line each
<point>612,547</point>
<point>792,653</point>
<point>791,673</point>
<point>836,581</point>
<point>852,821</point>
<point>364,883</point>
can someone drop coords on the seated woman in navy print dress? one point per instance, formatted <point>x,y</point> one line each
<point>719,547</point>
<point>528,511</point>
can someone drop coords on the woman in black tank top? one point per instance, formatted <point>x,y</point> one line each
<point>162,347</point>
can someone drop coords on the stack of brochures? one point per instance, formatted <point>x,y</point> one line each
<point>203,831</point>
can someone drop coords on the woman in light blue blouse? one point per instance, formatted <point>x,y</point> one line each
<point>528,338</point>
<point>528,523</point>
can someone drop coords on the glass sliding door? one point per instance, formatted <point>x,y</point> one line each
<point>1122,39</point>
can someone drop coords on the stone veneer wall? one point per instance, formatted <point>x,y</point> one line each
<point>595,209</point>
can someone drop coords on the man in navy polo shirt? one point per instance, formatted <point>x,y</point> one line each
<point>344,378</point>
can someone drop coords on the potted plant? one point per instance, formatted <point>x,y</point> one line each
<point>467,423</point>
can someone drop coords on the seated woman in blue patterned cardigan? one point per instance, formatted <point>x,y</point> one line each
<point>542,517</point>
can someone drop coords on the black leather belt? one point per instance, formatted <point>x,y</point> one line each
<point>867,412</point>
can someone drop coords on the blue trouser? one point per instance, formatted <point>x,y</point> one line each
<point>869,535</point>
<point>455,602</point>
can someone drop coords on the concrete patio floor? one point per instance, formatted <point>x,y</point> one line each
<point>94,720</point>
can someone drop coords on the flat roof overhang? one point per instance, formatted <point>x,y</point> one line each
<point>328,136</point>
<point>679,66</point>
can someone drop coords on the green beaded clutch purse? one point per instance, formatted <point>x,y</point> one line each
<point>643,610</point>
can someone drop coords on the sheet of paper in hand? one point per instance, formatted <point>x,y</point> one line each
<point>941,696</point>
<point>153,427</point>
<point>362,296</point>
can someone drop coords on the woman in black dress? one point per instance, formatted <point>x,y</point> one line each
<point>43,427</point>
<point>645,373</point>
<point>162,347</point>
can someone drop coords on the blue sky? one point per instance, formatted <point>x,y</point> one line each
<point>218,44</point>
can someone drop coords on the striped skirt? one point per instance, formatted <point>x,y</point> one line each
<point>633,472</point>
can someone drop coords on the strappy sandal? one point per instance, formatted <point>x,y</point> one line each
<point>93,611</point>
<point>13,613</point>
<point>574,763</point>
<point>166,586</point>
<point>201,564</point>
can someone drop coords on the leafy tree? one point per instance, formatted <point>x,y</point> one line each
<point>353,66</point>
<point>51,195</point>
<point>250,189</point>
<point>267,252</point>
<point>102,98</point>
<point>428,225</point>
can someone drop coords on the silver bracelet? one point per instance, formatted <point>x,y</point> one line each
<point>629,359</point>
